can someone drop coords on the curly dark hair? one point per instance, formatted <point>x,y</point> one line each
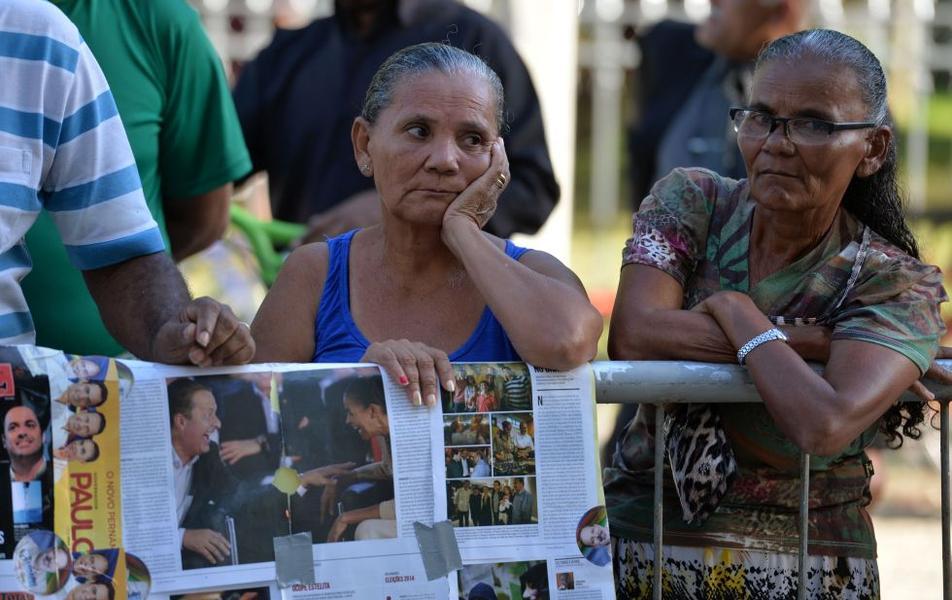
<point>875,200</point>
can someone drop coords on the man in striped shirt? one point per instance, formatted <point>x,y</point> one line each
<point>63,149</point>
<point>517,390</point>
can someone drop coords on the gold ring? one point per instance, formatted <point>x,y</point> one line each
<point>501,180</point>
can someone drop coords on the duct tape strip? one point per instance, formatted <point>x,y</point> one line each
<point>294,559</point>
<point>438,549</point>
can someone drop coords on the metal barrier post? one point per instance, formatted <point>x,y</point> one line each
<point>658,500</point>
<point>804,525</point>
<point>946,491</point>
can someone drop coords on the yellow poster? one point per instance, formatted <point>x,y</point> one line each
<point>86,468</point>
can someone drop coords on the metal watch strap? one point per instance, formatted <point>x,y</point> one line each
<point>757,340</point>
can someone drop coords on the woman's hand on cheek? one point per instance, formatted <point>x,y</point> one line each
<point>477,203</point>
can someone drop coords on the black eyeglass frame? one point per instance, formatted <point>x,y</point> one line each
<point>830,126</point>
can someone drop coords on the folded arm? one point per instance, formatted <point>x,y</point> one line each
<point>819,413</point>
<point>648,323</point>
<point>540,303</point>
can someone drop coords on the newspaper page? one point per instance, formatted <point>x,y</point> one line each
<point>523,484</point>
<point>216,469</point>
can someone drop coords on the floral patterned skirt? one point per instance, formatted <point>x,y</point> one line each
<point>732,574</point>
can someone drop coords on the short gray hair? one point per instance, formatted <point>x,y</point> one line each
<point>422,58</point>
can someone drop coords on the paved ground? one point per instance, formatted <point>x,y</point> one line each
<point>910,557</point>
<point>908,525</point>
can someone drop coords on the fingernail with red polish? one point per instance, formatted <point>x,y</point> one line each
<point>404,380</point>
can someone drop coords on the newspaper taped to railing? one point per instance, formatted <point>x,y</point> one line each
<point>303,481</point>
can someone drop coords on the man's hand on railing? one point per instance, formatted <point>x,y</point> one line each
<point>145,305</point>
<point>205,333</point>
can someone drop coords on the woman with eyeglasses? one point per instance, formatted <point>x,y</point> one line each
<point>808,259</point>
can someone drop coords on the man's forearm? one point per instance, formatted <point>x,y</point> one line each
<point>196,223</point>
<point>136,298</point>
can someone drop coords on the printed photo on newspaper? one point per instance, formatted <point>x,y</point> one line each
<point>523,484</point>
<point>293,480</point>
<point>232,459</point>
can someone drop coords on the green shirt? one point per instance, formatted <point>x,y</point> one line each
<point>177,111</point>
<point>696,226</point>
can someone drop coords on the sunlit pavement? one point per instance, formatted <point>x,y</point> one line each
<point>910,557</point>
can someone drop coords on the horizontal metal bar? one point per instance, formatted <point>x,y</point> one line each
<point>668,381</point>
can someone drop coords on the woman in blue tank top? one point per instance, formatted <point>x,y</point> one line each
<point>427,285</point>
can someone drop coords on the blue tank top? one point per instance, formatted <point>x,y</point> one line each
<point>339,339</point>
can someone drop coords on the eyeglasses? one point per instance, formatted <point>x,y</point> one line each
<point>757,125</point>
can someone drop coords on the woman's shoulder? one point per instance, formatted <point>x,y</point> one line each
<point>888,272</point>
<point>695,190</point>
<point>291,302</point>
<point>309,260</point>
<point>706,181</point>
<point>886,257</point>
<point>513,250</point>
<point>325,256</point>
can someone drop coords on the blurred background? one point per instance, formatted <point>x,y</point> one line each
<point>585,64</point>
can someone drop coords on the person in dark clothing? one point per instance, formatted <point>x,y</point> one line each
<point>454,465</point>
<point>298,98</point>
<point>660,92</point>
<point>250,435</point>
<point>475,508</point>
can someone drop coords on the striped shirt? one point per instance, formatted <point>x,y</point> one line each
<point>517,393</point>
<point>63,149</point>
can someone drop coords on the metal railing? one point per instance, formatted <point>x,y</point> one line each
<point>669,382</point>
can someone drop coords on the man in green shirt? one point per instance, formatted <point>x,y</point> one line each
<point>177,111</point>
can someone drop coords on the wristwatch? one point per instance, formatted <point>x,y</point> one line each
<point>767,336</point>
